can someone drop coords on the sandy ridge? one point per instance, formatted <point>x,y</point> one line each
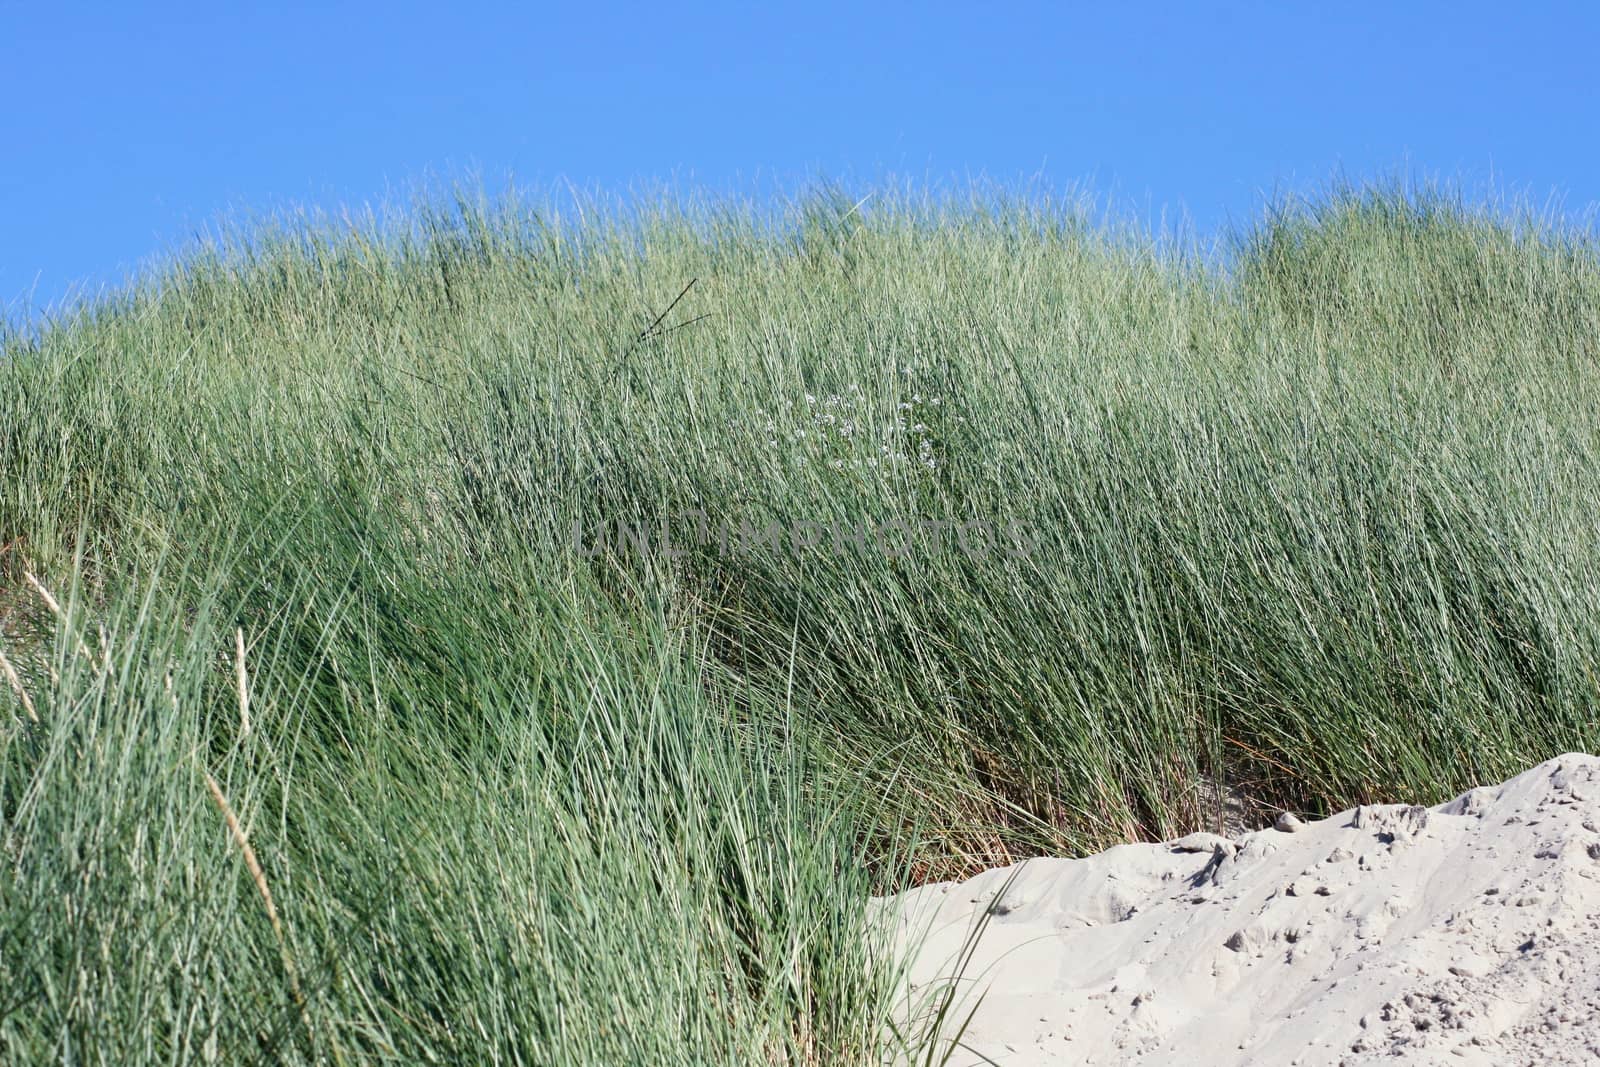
<point>1467,933</point>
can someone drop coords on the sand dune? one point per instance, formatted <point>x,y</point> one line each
<point>1468,933</point>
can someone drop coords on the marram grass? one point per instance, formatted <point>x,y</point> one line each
<point>499,636</point>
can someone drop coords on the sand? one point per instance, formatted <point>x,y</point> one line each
<point>1467,933</point>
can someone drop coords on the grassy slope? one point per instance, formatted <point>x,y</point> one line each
<point>1320,526</point>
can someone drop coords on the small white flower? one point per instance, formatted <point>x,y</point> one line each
<point>810,399</point>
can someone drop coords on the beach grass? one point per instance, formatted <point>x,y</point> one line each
<point>522,633</point>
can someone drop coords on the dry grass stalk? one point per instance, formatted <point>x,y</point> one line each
<point>56,610</point>
<point>260,877</point>
<point>44,595</point>
<point>16,685</point>
<point>244,683</point>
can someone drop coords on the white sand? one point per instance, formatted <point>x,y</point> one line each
<point>1468,933</point>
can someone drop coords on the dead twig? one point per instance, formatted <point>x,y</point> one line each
<point>653,330</point>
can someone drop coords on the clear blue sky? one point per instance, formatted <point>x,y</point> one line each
<point>125,127</point>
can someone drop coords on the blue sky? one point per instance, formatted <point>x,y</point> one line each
<point>126,127</point>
